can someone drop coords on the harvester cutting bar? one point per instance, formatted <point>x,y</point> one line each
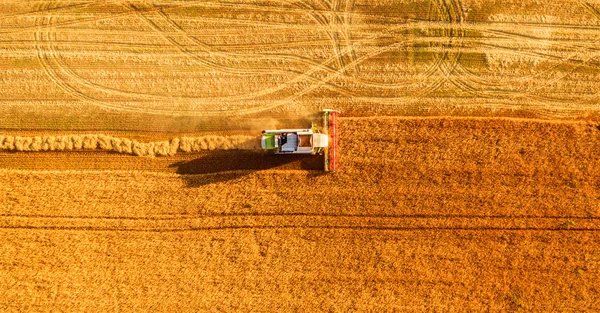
<point>330,128</point>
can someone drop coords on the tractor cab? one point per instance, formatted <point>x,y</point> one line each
<point>284,141</point>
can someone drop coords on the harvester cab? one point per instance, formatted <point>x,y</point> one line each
<point>306,141</point>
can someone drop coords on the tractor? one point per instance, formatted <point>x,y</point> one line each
<point>306,140</point>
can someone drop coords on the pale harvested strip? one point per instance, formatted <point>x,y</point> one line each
<point>125,145</point>
<point>166,60</point>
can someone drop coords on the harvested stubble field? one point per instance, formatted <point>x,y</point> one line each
<point>469,156</point>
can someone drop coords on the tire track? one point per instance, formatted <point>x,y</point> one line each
<point>64,68</point>
<point>349,6</point>
<point>300,76</point>
<point>80,80</point>
<point>186,4</point>
<point>474,79</point>
<point>559,61</point>
<point>84,20</point>
<point>73,91</point>
<point>340,27</point>
<point>395,85</point>
<point>42,11</point>
<point>448,12</point>
<point>228,55</point>
<point>322,20</point>
<point>596,13</point>
<point>366,56</point>
<point>46,54</point>
<point>327,25</point>
<point>448,67</point>
<point>347,22</point>
<point>282,227</point>
<point>300,214</point>
<point>591,8</point>
<point>259,221</point>
<point>467,81</point>
<point>545,56</point>
<point>43,53</point>
<point>154,97</point>
<point>369,40</point>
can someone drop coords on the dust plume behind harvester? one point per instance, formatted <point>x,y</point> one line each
<point>312,140</point>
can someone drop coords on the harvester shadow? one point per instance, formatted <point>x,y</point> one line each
<point>224,165</point>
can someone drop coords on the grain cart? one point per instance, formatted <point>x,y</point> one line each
<point>306,141</point>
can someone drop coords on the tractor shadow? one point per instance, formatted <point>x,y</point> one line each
<point>224,165</point>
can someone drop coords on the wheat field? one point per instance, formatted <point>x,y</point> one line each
<point>132,179</point>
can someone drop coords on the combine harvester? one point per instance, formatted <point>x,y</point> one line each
<point>306,141</point>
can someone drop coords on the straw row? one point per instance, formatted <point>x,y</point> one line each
<point>127,146</point>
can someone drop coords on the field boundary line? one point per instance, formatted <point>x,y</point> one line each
<point>299,220</point>
<point>300,214</point>
<point>279,227</point>
<point>474,118</point>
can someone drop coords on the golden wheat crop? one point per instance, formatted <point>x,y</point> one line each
<point>449,207</point>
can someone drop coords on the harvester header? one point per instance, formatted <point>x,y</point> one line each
<point>330,129</point>
<point>312,140</point>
